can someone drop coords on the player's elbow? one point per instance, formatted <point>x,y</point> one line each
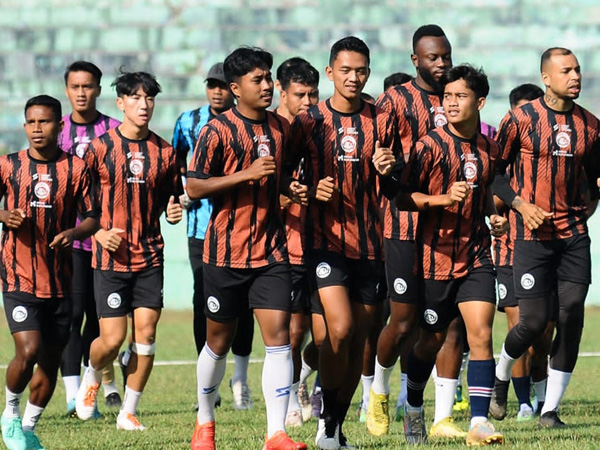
<point>195,188</point>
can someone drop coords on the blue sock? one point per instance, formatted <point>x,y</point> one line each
<point>522,387</point>
<point>418,373</point>
<point>480,377</point>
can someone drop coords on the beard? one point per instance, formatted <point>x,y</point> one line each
<point>436,85</point>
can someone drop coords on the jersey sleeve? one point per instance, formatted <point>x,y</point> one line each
<point>508,141</point>
<point>180,143</point>
<point>207,159</point>
<point>417,171</point>
<point>85,198</point>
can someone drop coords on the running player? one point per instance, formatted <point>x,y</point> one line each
<point>237,163</point>
<point>396,79</point>
<point>417,107</point>
<point>298,84</point>
<point>136,179</point>
<point>82,81</point>
<point>348,146</point>
<point>451,170</point>
<point>551,147</point>
<point>43,190</point>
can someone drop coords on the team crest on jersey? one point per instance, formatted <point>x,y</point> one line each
<point>82,142</point>
<point>323,270</point>
<point>440,119</point>
<point>41,190</point>
<point>19,314</point>
<point>264,145</point>
<point>136,166</point>
<point>213,304</point>
<point>114,300</point>
<point>430,316</point>
<point>527,281</point>
<point>348,143</point>
<point>563,140</point>
<point>502,291</point>
<point>400,286</point>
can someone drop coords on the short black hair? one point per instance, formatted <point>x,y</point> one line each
<point>476,79</point>
<point>45,100</point>
<point>127,83</point>
<point>349,44</point>
<point>244,60</point>
<point>551,52</point>
<point>525,91</point>
<point>395,79</point>
<point>297,70</point>
<point>426,30</point>
<point>84,66</point>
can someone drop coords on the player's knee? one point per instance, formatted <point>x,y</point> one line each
<point>144,349</point>
<point>340,334</point>
<point>27,354</point>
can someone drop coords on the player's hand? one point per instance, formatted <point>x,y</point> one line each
<point>14,218</point>
<point>383,159</point>
<point>174,211</point>
<point>498,225</point>
<point>298,193</point>
<point>533,216</point>
<point>63,240</point>
<point>185,201</point>
<point>324,189</point>
<point>262,167</point>
<point>109,239</point>
<point>458,192</point>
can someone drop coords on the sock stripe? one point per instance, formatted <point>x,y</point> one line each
<point>415,386</point>
<point>480,391</point>
<point>278,349</point>
<point>213,355</point>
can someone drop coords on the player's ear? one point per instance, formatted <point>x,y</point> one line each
<point>329,72</point>
<point>480,103</point>
<point>546,79</point>
<point>120,104</point>
<point>414,59</point>
<point>235,89</point>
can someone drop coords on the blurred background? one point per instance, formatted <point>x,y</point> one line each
<point>178,41</point>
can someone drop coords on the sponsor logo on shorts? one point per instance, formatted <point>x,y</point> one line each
<point>19,314</point>
<point>323,270</point>
<point>527,281</point>
<point>399,286</point>
<point>213,304</point>
<point>502,291</point>
<point>114,300</point>
<point>430,316</point>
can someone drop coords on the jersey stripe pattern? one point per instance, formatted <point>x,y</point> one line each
<point>133,180</point>
<point>246,229</point>
<point>454,239</point>
<point>416,112</point>
<point>550,156</point>
<point>341,146</point>
<point>50,193</point>
<point>74,139</point>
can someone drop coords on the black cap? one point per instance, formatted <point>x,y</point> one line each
<point>216,73</point>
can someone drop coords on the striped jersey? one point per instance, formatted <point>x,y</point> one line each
<point>51,194</point>
<point>74,139</point>
<point>133,180</point>
<point>416,112</point>
<point>245,230</point>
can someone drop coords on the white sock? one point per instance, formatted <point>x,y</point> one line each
<point>477,419</point>
<point>130,401</point>
<point>109,388</point>
<point>403,390</point>
<point>504,366</point>
<point>294,404</point>
<point>31,416</point>
<point>71,386</point>
<point>240,372</point>
<point>366,389</point>
<point>276,381</point>
<point>92,375</point>
<point>445,389</point>
<point>381,379</point>
<point>540,389</point>
<point>126,355</point>
<point>305,372</point>
<point>557,385</point>
<point>210,371</point>
<point>463,366</point>
<point>13,403</point>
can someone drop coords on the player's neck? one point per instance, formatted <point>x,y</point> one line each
<point>130,131</point>
<point>465,129</point>
<point>426,86</point>
<point>557,103</point>
<point>251,113</point>
<point>284,112</point>
<point>45,154</point>
<point>343,104</point>
<point>216,112</point>
<point>85,117</point>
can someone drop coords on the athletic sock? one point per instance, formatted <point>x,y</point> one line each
<point>210,371</point>
<point>480,378</point>
<point>418,374</point>
<point>92,375</point>
<point>130,401</point>
<point>13,403</point>
<point>240,372</point>
<point>367,382</point>
<point>505,365</point>
<point>305,371</point>
<point>71,386</point>
<point>445,389</point>
<point>276,381</point>
<point>403,390</point>
<point>294,404</point>
<point>109,388</point>
<point>381,379</point>
<point>31,416</point>
<point>522,386</point>
<point>540,389</point>
<point>555,389</point>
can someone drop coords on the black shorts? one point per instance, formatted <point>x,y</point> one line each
<point>230,292</point>
<point>119,293</point>
<point>539,264</point>
<point>50,316</point>
<point>442,297</point>
<point>300,289</point>
<point>404,286</point>
<point>506,288</point>
<point>83,274</point>
<point>360,276</point>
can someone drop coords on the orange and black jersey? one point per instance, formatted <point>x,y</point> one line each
<point>416,112</point>
<point>245,230</point>
<point>133,180</point>
<point>454,239</point>
<point>504,246</point>
<point>341,146</point>
<point>50,193</point>
<point>550,155</point>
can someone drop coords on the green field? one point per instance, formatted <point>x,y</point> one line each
<point>167,405</point>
